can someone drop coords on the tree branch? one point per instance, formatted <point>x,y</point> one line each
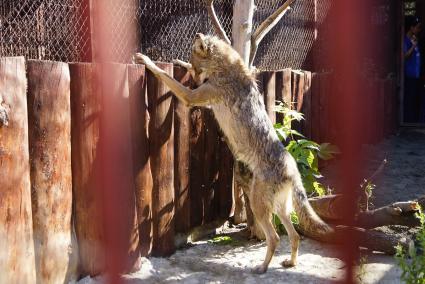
<point>265,27</point>
<point>216,23</point>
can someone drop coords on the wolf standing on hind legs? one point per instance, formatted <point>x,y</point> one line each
<point>233,95</point>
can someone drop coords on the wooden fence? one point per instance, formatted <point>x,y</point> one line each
<point>101,165</point>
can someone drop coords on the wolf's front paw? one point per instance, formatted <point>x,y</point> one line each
<point>139,58</point>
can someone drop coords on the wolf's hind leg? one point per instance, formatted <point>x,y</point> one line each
<point>261,205</point>
<point>294,238</point>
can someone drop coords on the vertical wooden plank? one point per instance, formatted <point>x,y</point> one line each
<point>269,93</point>
<point>297,87</point>
<point>139,117</point>
<point>315,107</point>
<point>225,180</point>
<point>307,105</point>
<point>182,156</point>
<point>324,106</point>
<point>87,184</point>
<point>49,118</point>
<point>210,169</point>
<point>197,149</point>
<point>283,89</point>
<point>161,135</point>
<point>121,234</point>
<point>16,232</point>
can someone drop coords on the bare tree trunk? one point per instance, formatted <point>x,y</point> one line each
<point>243,13</point>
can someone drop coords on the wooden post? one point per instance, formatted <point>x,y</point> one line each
<point>306,107</point>
<point>269,92</point>
<point>182,156</point>
<point>315,107</point>
<point>87,186</point>
<point>210,169</point>
<point>324,106</point>
<point>140,144</point>
<point>197,148</point>
<point>225,180</point>
<point>283,89</point>
<point>121,232</point>
<point>161,149</point>
<point>49,118</point>
<point>16,232</point>
<point>297,87</point>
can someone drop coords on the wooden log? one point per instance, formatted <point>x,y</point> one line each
<point>139,119</point>
<point>197,148</point>
<point>315,107</point>
<point>161,149</point>
<point>87,185</point>
<point>283,89</point>
<point>269,93</point>
<point>49,118</point>
<point>16,232</point>
<point>182,156</point>
<point>210,169</point>
<point>370,239</point>
<point>332,208</point>
<point>120,222</point>
<point>324,107</point>
<point>297,87</point>
<point>225,180</point>
<point>306,107</point>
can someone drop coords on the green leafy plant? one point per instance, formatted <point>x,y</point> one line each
<point>222,240</point>
<point>412,261</point>
<point>306,152</point>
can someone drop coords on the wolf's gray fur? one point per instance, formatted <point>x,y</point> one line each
<point>232,92</point>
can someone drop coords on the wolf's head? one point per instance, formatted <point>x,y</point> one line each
<point>211,55</point>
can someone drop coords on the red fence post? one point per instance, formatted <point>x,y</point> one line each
<point>121,233</point>
<point>161,147</point>
<point>49,118</point>
<point>16,232</point>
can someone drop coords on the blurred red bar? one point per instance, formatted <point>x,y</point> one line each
<point>349,45</point>
<point>120,220</point>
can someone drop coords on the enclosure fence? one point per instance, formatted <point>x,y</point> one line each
<point>62,30</point>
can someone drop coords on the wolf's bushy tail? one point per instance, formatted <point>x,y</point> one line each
<point>306,215</point>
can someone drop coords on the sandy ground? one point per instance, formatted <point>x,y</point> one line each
<point>205,262</point>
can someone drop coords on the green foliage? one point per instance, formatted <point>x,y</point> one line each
<point>306,152</point>
<point>412,262</point>
<point>222,240</point>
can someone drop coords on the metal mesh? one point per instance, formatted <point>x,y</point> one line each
<point>162,29</point>
<point>45,29</point>
<point>169,26</point>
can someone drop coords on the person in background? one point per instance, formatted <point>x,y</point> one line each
<point>413,95</point>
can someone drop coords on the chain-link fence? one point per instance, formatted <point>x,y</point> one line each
<point>45,29</point>
<point>162,29</point>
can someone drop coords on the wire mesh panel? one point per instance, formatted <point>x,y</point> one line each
<point>169,26</point>
<point>45,29</point>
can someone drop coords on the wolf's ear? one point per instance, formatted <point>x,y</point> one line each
<point>200,45</point>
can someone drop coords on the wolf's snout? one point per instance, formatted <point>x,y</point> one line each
<point>198,36</point>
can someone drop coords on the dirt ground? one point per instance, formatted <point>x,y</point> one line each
<point>204,262</point>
